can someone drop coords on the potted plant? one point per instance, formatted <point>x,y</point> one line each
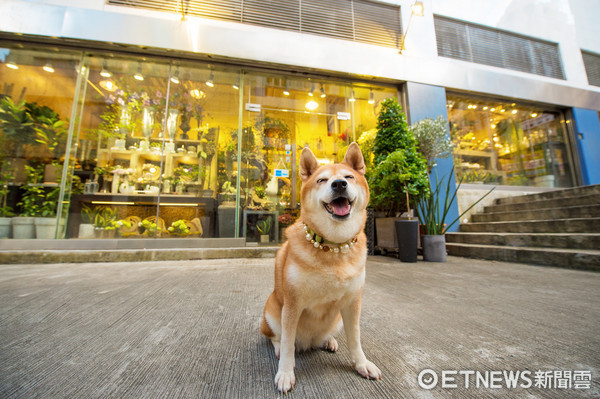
<point>399,177</point>
<point>433,139</point>
<point>5,211</point>
<point>179,228</point>
<point>86,228</point>
<point>24,224</point>
<point>45,223</point>
<point>264,228</point>
<point>52,133</point>
<point>17,125</point>
<point>433,213</point>
<point>285,221</point>
<point>152,228</point>
<point>105,222</point>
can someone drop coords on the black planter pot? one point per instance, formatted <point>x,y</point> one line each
<point>407,232</point>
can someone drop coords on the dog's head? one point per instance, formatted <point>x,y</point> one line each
<point>334,195</point>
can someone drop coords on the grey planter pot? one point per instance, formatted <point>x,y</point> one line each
<point>434,248</point>
<point>5,227</point>
<point>23,227</point>
<point>45,228</point>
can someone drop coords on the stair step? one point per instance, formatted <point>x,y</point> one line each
<point>569,258</point>
<point>578,225</point>
<point>590,199</point>
<point>568,212</point>
<point>542,240</point>
<point>553,194</point>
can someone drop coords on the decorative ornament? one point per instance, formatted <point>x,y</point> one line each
<point>319,242</point>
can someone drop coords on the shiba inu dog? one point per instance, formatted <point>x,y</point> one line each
<point>320,269</point>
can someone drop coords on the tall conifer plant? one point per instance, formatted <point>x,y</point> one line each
<point>399,176</point>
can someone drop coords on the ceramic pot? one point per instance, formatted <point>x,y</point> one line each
<point>434,248</point>
<point>5,227</point>
<point>45,228</point>
<point>23,227</point>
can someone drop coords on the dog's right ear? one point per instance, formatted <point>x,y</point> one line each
<point>308,163</point>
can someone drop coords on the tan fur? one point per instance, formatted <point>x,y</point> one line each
<point>315,290</point>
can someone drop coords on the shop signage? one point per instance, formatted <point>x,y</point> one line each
<point>282,173</point>
<point>540,120</point>
<point>343,116</point>
<point>252,107</point>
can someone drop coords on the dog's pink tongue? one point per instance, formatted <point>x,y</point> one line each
<point>341,208</point>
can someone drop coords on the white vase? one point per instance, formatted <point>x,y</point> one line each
<point>86,230</point>
<point>115,184</point>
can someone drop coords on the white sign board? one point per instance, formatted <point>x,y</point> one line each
<point>343,116</point>
<point>252,107</point>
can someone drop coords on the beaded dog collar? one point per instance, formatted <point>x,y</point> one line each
<point>319,242</point>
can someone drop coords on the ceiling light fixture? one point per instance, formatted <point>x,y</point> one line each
<point>104,72</point>
<point>175,77</point>
<point>12,65</point>
<point>312,88</point>
<point>286,91</point>
<point>210,82</point>
<point>311,105</point>
<point>236,85</point>
<point>352,99</point>
<point>138,75</point>
<point>371,97</point>
<point>48,67</point>
<point>323,95</point>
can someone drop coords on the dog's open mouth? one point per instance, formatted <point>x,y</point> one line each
<point>339,207</point>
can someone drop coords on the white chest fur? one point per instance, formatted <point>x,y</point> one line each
<point>318,287</point>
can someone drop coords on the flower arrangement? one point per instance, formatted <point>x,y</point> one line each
<point>118,170</point>
<point>179,228</point>
<point>286,219</point>
<point>150,228</point>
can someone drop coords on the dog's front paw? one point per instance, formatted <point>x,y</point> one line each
<point>285,381</point>
<point>368,370</point>
<point>330,345</point>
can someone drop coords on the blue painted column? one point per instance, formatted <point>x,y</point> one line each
<point>426,101</point>
<point>587,136</point>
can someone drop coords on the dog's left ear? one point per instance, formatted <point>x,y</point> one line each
<point>354,158</point>
<point>308,163</point>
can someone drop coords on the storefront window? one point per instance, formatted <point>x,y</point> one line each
<point>281,116</point>
<point>166,148</point>
<point>497,142</point>
<point>36,102</point>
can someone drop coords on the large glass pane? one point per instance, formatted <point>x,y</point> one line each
<point>498,142</point>
<point>38,87</point>
<point>204,105</point>
<point>124,133</point>
<point>281,116</point>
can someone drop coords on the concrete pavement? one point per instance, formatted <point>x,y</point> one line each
<point>189,329</point>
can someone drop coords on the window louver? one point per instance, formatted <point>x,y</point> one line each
<point>483,45</point>
<point>359,20</point>
<point>592,67</point>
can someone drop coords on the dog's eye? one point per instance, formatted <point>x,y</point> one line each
<point>349,177</point>
<point>321,181</point>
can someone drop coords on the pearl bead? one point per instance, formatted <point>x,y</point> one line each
<point>309,237</point>
<point>345,248</point>
<point>336,250</point>
<point>316,244</point>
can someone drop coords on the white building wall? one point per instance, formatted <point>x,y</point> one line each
<point>554,20</point>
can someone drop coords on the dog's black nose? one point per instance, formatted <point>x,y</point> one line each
<point>339,185</point>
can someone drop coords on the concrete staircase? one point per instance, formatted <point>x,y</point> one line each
<point>554,228</point>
